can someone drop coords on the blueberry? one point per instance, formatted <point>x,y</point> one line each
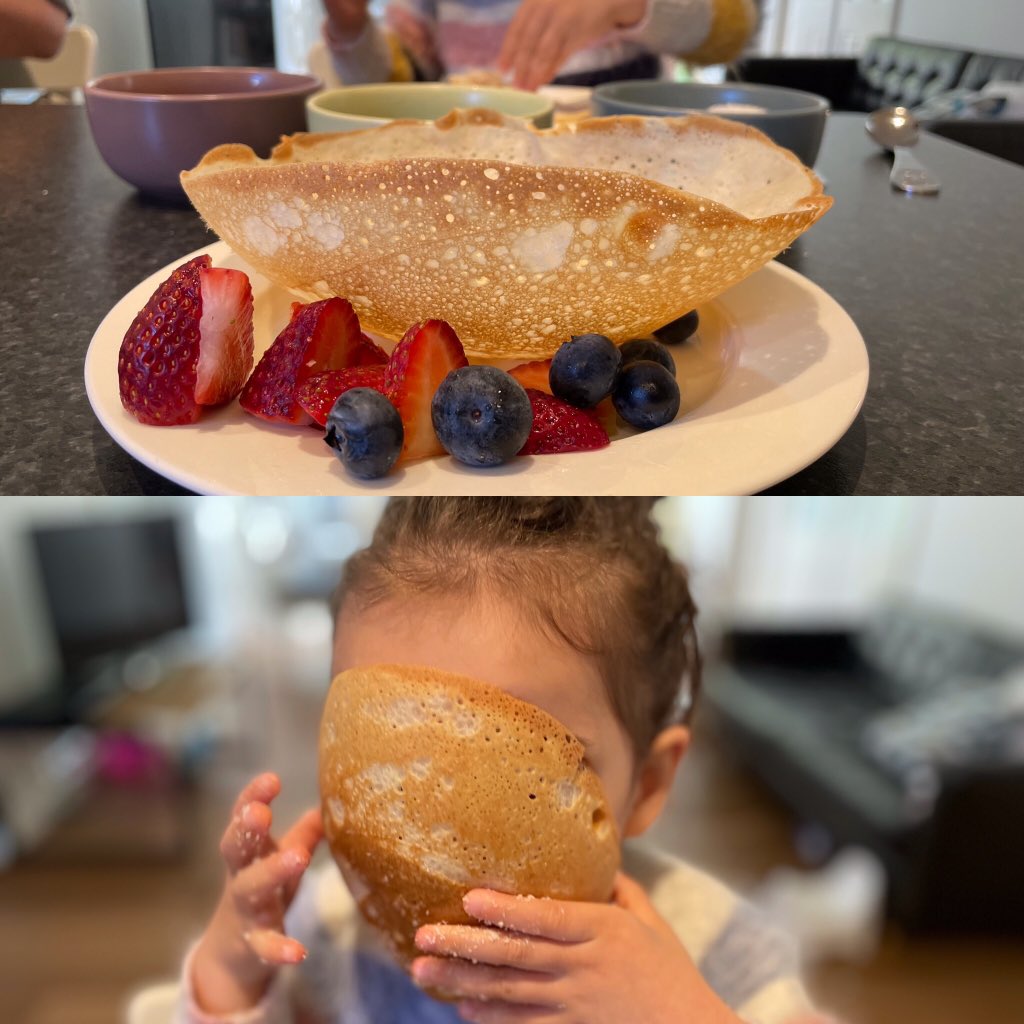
<point>366,432</point>
<point>481,415</point>
<point>679,330</point>
<point>646,395</point>
<point>647,348</point>
<point>583,369</point>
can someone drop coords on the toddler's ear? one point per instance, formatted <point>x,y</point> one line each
<point>654,778</point>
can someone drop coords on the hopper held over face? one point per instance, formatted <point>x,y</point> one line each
<point>434,783</point>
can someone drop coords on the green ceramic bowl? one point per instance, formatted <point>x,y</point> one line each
<point>367,106</point>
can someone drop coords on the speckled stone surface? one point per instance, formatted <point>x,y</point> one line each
<point>936,286</point>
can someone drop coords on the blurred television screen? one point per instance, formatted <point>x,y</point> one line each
<point>110,586</point>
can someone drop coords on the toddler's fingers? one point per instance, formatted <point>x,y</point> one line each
<point>479,981</point>
<point>492,946</point>
<point>480,1011</point>
<point>246,836</point>
<point>306,833</point>
<point>274,947</point>
<point>261,789</point>
<point>632,897</point>
<point>560,920</point>
<point>258,886</point>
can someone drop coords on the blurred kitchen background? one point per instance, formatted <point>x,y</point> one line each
<point>137,34</point>
<point>858,767</point>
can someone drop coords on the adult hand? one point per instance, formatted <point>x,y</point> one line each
<point>347,18</point>
<point>244,943</point>
<point>31,28</point>
<point>540,961</point>
<point>545,33</point>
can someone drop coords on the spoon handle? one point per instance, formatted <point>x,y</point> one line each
<point>910,175</point>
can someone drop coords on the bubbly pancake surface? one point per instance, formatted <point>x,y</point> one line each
<point>433,783</point>
<point>518,237</point>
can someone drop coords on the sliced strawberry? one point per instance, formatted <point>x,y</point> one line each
<point>319,392</point>
<point>427,353</point>
<point>369,353</point>
<point>320,336</point>
<point>189,346</point>
<point>225,351</point>
<point>533,375</point>
<point>561,427</point>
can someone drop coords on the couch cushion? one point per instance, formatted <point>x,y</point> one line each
<point>983,68</point>
<point>899,72</point>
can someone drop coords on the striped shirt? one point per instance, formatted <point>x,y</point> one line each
<point>349,977</point>
<point>456,36</point>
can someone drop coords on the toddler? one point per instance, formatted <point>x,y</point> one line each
<point>571,604</point>
<point>573,42</point>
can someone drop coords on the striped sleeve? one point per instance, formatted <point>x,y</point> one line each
<point>748,961</point>
<point>365,59</point>
<point>701,31</point>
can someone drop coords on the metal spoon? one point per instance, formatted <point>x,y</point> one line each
<point>896,128</point>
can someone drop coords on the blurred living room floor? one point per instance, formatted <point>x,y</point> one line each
<point>77,937</point>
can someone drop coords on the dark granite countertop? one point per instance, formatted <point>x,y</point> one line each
<point>936,286</point>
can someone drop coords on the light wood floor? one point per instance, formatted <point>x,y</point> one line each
<point>77,938</point>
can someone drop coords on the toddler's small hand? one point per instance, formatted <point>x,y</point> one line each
<point>245,941</point>
<point>558,962</point>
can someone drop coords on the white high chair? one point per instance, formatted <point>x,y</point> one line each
<point>153,1005</point>
<point>320,64</point>
<point>71,68</point>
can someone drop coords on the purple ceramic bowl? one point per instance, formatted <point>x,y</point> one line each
<point>151,125</point>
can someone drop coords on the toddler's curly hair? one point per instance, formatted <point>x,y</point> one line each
<point>591,572</point>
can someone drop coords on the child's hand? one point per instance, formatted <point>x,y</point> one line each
<point>544,34</point>
<point>557,962</point>
<point>245,942</point>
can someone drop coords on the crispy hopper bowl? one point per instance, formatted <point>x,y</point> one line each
<point>518,237</point>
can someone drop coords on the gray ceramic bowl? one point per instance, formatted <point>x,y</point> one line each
<point>151,125</point>
<point>791,118</point>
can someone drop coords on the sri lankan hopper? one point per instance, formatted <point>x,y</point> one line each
<point>433,784</point>
<point>517,237</point>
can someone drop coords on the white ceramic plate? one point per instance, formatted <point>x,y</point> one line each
<point>775,376</point>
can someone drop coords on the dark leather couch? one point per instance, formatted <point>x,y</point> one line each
<point>800,708</point>
<point>900,72</point>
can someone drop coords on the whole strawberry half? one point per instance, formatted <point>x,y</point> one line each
<point>320,336</point>
<point>318,393</point>
<point>427,353</point>
<point>189,346</point>
<point>561,427</point>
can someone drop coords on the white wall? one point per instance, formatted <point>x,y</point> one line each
<point>991,25</point>
<point>122,28</point>
<point>832,560</point>
<point>815,28</point>
<point>817,561</point>
<point>971,560</point>
<point>296,29</point>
